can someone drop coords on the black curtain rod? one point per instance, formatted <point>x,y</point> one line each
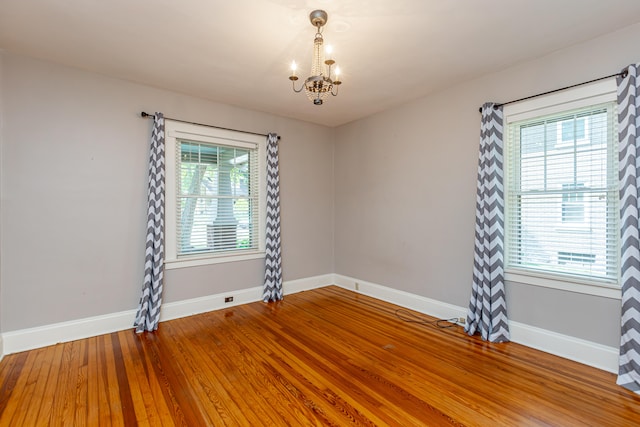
<point>622,73</point>
<point>145,115</point>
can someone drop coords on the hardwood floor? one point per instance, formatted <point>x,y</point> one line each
<point>322,357</point>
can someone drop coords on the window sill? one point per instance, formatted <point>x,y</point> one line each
<point>600,289</point>
<point>196,261</point>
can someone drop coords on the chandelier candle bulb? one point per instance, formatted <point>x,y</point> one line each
<point>294,67</point>
<point>328,50</point>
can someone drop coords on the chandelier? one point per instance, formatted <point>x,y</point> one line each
<point>320,83</point>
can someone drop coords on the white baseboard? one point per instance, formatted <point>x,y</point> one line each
<point>432,307</point>
<point>41,336</point>
<point>176,310</point>
<point>189,307</point>
<point>576,349</point>
<point>306,284</point>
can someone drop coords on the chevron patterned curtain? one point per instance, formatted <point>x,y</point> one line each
<point>629,155</point>
<point>273,258</point>
<point>487,311</point>
<point>148,314</point>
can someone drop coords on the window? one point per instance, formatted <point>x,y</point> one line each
<point>573,129</point>
<point>561,190</point>
<point>215,196</point>
<point>573,203</point>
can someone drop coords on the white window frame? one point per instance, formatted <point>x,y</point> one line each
<point>600,92</point>
<point>175,132</point>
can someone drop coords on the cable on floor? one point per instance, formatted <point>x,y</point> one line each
<point>409,317</point>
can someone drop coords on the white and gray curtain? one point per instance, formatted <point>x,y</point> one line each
<point>148,314</point>
<point>629,170</point>
<point>273,258</point>
<point>487,312</point>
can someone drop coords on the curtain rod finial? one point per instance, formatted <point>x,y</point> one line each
<point>625,72</point>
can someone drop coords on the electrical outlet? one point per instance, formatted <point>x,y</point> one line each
<point>228,299</point>
<point>461,320</point>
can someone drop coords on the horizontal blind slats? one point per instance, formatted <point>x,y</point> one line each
<point>561,196</point>
<point>217,200</point>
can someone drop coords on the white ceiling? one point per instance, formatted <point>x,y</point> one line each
<point>238,52</point>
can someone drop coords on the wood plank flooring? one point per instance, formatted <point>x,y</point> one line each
<point>322,357</point>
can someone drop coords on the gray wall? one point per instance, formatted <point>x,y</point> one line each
<point>74,176</point>
<point>405,190</point>
<point>1,181</point>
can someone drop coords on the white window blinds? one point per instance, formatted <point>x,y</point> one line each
<point>217,198</point>
<point>561,194</point>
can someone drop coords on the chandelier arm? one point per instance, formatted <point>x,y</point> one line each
<point>293,85</point>
<point>336,87</point>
